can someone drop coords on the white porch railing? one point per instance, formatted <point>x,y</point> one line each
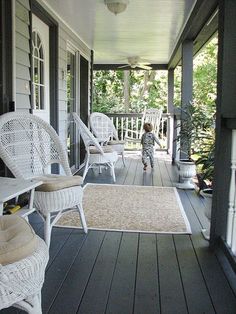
<point>231,223</point>
<point>130,125</point>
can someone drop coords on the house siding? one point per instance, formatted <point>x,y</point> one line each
<point>22,44</point>
<point>22,55</point>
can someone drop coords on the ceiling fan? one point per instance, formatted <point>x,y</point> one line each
<point>137,62</point>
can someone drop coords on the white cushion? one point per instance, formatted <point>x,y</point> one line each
<point>17,239</point>
<point>57,182</point>
<point>94,150</point>
<point>116,143</point>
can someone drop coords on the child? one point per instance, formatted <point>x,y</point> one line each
<point>148,140</point>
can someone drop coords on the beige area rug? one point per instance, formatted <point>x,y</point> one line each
<point>130,208</point>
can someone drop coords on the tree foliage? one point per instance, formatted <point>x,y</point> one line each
<point>146,89</point>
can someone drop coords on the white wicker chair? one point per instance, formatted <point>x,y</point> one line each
<point>21,281</point>
<point>28,147</point>
<point>96,155</point>
<point>105,131</point>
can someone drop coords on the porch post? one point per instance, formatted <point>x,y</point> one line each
<point>225,120</point>
<point>187,77</point>
<point>171,146</point>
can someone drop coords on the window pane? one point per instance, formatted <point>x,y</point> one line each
<point>41,52</point>
<point>36,96</point>
<point>42,97</point>
<point>41,72</point>
<point>36,71</point>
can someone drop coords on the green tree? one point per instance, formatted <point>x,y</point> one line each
<point>146,89</point>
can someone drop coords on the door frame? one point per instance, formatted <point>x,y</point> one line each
<point>43,15</point>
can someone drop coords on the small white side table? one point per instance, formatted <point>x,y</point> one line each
<point>11,188</point>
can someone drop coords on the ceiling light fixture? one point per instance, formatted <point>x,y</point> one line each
<point>116,6</point>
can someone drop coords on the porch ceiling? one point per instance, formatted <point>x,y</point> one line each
<point>147,29</point>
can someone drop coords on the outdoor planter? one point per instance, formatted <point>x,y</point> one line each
<point>187,170</point>
<point>207,194</point>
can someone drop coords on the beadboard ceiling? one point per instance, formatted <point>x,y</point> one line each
<point>148,28</point>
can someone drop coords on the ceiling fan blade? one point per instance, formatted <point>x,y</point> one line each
<point>124,66</point>
<point>143,66</point>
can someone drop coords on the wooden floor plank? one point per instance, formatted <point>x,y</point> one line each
<point>191,214</point>
<point>172,171</point>
<point>57,272</point>
<point>129,180</point>
<point>70,295</point>
<point>196,293</point>
<point>157,179</point>
<point>166,180</point>
<point>147,298</point>
<point>59,237</point>
<point>198,206</point>
<point>121,296</point>
<point>96,294</point>
<point>122,171</point>
<point>171,289</point>
<point>140,173</point>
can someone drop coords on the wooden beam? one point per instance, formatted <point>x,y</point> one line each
<point>187,73</point>
<point>97,67</point>
<point>199,17</point>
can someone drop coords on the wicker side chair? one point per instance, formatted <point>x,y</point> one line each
<point>96,155</point>
<point>22,277</point>
<point>105,131</point>
<point>29,146</point>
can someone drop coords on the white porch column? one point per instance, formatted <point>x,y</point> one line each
<point>231,221</point>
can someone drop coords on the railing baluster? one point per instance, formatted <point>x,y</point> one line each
<point>122,128</point>
<point>231,223</point>
<point>137,130</point>
<point>132,122</point>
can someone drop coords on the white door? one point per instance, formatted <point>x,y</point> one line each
<point>40,58</point>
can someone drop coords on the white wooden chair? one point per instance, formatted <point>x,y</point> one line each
<point>152,116</point>
<point>29,146</point>
<point>23,259</point>
<point>106,133</point>
<point>96,155</point>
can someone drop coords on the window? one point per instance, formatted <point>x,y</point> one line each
<point>38,72</point>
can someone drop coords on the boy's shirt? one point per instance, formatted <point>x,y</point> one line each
<point>148,139</point>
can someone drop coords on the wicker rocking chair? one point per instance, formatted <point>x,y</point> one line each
<point>29,146</point>
<point>152,116</point>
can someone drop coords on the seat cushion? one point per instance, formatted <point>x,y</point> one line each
<point>94,150</point>
<point>116,143</point>
<point>53,182</point>
<point>17,239</point>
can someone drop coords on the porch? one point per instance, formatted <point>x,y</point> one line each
<point>119,272</point>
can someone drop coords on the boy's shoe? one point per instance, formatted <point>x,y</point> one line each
<point>145,167</point>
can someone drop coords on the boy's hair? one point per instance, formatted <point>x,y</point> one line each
<point>147,127</point>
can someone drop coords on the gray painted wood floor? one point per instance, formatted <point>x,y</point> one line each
<point>124,273</point>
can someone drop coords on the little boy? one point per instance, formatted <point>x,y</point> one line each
<point>148,140</point>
